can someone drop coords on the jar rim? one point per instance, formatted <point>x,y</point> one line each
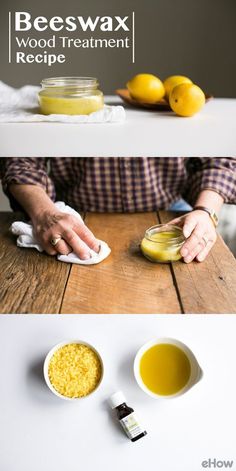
<point>158,228</point>
<point>80,82</point>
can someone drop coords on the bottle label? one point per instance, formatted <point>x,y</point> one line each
<point>131,426</point>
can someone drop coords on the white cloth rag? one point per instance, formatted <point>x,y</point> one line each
<point>26,239</point>
<point>21,106</point>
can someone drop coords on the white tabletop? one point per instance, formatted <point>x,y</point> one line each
<point>210,133</point>
<point>39,431</point>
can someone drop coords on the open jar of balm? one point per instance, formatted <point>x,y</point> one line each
<point>162,243</point>
<point>70,95</point>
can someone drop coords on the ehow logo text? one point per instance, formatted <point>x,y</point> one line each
<point>214,463</point>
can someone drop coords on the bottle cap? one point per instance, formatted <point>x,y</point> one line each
<point>116,399</point>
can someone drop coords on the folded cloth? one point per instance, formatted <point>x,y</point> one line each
<point>27,239</point>
<point>21,106</point>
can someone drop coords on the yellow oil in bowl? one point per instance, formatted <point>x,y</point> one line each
<point>165,369</point>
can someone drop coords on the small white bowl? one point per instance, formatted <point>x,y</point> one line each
<point>195,375</point>
<point>48,359</point>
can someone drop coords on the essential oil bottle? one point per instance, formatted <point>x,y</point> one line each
<point>126,417</point>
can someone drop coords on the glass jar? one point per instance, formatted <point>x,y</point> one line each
<point>162,243</point>
<point>70,95</point>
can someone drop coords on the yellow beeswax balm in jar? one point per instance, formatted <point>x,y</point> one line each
<point>70,96</point>
<point>162,243</point>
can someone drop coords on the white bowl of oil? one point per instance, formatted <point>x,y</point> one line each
<point>166,368</point>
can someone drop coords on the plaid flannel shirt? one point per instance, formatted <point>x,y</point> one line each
<point>127,184</point>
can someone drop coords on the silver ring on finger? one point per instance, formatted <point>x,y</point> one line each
<point>205,240</point>
<point>54,241</point>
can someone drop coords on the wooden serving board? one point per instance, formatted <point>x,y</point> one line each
<point>161,105</point>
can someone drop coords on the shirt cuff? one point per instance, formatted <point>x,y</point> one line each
<point>215,174</point>
<point>26,171</point>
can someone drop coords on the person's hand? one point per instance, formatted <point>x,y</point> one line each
<point>74,235</point>
<point>200,232</point>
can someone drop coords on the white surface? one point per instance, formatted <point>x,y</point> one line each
<point>210,133</point>
<point>41,432</point>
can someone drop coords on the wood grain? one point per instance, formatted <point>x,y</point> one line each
<point>207,287</point>
<point>125,282</point>
<point>30,282</point>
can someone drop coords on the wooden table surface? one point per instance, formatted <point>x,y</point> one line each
<point>125,282</point>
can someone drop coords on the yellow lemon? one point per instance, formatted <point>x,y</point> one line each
<point>171,82</point>
<point>146,88</point>
<point>186,99</point>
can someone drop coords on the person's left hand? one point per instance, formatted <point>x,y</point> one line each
<point>200,232</point>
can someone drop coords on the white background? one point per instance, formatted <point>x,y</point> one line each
<point>40,432</point>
